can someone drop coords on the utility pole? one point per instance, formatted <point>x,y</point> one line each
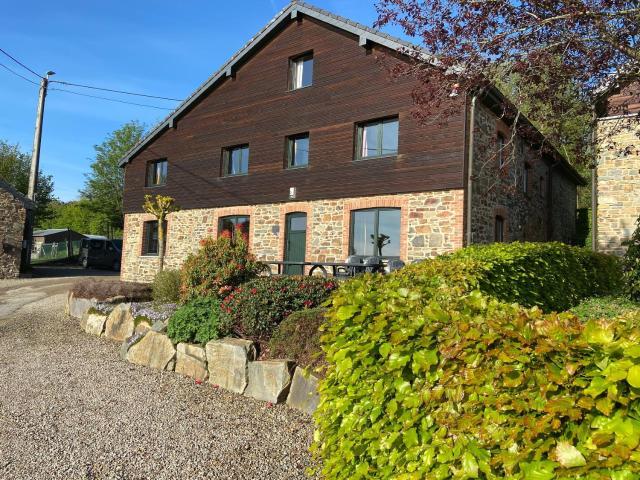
<point>37,138</point>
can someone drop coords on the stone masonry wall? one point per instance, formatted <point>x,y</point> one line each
<point>502,191</point>
<point>431,224</point>
<point>12,221</point>
<point>618,184</point>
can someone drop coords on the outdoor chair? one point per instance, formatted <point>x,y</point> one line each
<point>393,265</point>
<point>352,268</point>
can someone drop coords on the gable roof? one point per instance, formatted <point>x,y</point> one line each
<point>295,8</point>
<point>26,202</point>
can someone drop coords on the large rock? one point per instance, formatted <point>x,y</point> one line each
<point>142,327</point>
<point>303,394</point>
<point>93,323</point>
<point>269,380</point>
<point>155,350</point>
<point>77,307</point>
<point>130,342</point>
<point>228,362</point>
<point>191,361</point>
<point>120,323</point>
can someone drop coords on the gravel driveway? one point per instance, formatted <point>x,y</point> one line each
<point>70,409</point>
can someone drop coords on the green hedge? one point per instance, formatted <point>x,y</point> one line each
<point>427,381</point>
<point>552,276</point>
<point>436,372</point>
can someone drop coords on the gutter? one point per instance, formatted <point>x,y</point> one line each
<point>472,123</point>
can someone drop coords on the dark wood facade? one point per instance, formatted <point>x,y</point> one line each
<point>623,100</point>
<point>351,84</point>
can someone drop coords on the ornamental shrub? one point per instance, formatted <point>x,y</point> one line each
<point>220,265</point>
<point>427,380</point>
<point>298,338</point>
<point>166,287</point>
<point>552,276</point>
<point>256,308</point>
<point>631,265</point>
<point>198,321</point>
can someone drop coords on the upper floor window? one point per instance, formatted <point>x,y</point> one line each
<point>499,229</point>
<point>156,173</point>
<point>375,232</point>
<point>501,153</point>
<point>235,160</point>
<point>378,138</point>
<point>525,178</point>
<point>233,225</point>
<point>150,240</point>
<point>298,151</point>
<point>301,71</point>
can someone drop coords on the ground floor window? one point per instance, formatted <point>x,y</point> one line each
<point>375,232</point>
<point>499,229</point>
<point>150,237</point>
<point>234,225</point>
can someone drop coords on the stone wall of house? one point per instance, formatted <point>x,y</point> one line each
<point>618,184</point>
<point>13,215</point>
<point>431,224</point>
<point>519,191</point>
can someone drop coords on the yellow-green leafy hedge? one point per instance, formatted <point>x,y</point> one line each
<point>429,377</point>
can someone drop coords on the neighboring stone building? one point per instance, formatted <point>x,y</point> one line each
<point>15,211</point>
<point>618,168</point>
<point>305,142</point>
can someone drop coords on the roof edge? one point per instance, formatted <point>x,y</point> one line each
<point>365,33</point>
<point>21,197</point>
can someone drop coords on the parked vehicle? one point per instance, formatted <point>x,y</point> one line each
<point>100,253</point>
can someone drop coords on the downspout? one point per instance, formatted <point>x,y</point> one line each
<point>472,125</point>
<point>594,186</point>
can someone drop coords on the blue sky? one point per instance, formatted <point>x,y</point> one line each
<point>159,48</point>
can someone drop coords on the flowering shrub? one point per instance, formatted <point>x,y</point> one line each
<point>153,312</point>
<point>257,307</point>
<point>198,321</point>
<point>220,265</point>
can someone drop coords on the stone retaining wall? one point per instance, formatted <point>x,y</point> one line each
<point>431,224</point>
<point>228,363</point>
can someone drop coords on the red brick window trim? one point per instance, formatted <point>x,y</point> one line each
<point>376,202</point>
<point>231,212</point>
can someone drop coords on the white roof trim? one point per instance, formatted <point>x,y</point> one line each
<point>294,9</point>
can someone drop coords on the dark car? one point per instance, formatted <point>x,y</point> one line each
<point>100,253</point>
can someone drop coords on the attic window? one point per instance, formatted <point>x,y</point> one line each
<point>301,71</point>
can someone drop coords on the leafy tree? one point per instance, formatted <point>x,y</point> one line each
<point>105,184</point>
<point>548,45</point>
<point>160,206</point>
<point>80,216</point>
<point>15,167</point>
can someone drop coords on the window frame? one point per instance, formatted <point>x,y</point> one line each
<point>292,76</point>
<point>377,230</point>
<point>501,143</point>
<point>152,164</point>
<point>226,159</point>
<point>235,217</point>
<point>526,178</point>
<point>145,238</point>
<point>499,234</point>
<point>360,127</point>
<point>290,150</point>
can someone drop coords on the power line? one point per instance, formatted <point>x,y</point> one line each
<point>110,99</point>
<point>115,91</point>
<point>20,63</point>
<point>17,74</point>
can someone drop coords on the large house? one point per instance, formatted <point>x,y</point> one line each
<point>617,179</point>
<point>306,142</point>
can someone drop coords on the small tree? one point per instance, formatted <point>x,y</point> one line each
<point>160,206</point>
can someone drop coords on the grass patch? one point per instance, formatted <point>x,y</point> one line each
<point>604,307</point>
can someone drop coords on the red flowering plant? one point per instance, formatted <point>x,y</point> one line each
<point>218,267</point>
<point>256,308</point>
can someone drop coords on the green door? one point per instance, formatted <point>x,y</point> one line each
<point>295,242</point>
